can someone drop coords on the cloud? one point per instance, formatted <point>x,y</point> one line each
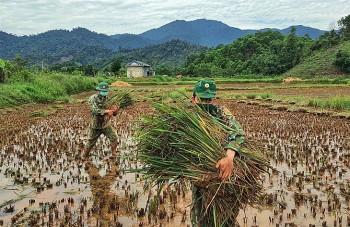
<point>121,16</point>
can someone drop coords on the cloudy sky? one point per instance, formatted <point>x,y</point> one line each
<point>27,17</point>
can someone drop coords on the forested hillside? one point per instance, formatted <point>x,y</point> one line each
<point>170,54</point>
<point>56,46</point>
<point>272,53</point>
<point>167,58</point>
<point>321,63</point>
<point>267,53</point>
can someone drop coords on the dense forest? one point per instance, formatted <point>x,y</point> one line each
<point>165,58</point>
<point>268,53</point>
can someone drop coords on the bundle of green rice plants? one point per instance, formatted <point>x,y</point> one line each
<point>122,98</point>
<point>182,142</point>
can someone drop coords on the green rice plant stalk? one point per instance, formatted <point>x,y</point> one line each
<point>122,98</point>
<point>182,142</point>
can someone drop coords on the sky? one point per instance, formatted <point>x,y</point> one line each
<point>30,17</point>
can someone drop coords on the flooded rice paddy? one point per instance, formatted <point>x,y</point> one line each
<point>45,181</point>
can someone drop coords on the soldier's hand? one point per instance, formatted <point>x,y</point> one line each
<point>225,165</point>
<point>115,108</point>
<point>109,112</point>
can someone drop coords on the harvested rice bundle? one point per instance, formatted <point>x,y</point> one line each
<point>181,141</point>
<point>121,98</point>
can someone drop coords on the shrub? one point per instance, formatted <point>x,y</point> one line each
<point>343,60</point>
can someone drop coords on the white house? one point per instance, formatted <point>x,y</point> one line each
<point>138,69</point>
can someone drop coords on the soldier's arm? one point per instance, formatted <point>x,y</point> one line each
<point>236,133</point>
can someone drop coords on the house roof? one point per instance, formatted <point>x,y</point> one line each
<point>138,63</point>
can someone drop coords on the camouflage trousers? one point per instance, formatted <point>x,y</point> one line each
<point>95,133</point>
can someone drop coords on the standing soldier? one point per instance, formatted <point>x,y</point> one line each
<point>204,93</point>
<point>99,119</point>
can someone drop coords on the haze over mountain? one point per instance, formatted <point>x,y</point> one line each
<point>87,46</point>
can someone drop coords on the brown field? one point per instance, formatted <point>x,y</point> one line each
<point>45,181</point>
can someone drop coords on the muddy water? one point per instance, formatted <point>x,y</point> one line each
<point>45,180</point>
<point>310,154</point>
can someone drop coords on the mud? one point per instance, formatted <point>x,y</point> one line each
<point>44,180</point>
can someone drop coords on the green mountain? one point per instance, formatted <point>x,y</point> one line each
<point>212,33</point>
<point>88,47</point>
<point>80,45</point>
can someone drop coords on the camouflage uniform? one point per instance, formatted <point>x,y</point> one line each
<point>99,122</point>
<point>235,139</point>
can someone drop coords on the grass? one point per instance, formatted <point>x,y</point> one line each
<point>320,64</point>
<point>250,96</point>
<point>306,85</point>
<point>334,103</point>
<point>45,88</point>
<point>160,80</point>
<point>46,111</point>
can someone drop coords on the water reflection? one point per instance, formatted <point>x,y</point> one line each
<point>107,205</point>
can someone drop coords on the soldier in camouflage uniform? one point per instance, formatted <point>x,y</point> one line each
<point>204,96</point>
<point>99,119</point>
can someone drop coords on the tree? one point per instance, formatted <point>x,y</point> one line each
<point>344,24</point>
<point>343,60</point>
<point>292,50</point>
<point>2,71</point>
<point>88,70</point>
<point>67,67</point>
<point>328,39</point>
<point>17,70</point>
<point>116,66</point>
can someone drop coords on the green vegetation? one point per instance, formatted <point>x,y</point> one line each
<point>24,85</point>
<point>2,71</point>
<point>271,53</point>
<point>267,53</point>
<point>322,63</point>
<point>121,98</point>
<point>331,103</point>
<point>336,103</point>
<point>166,59</point>
<point>342,58</point>
<point>344,24</point>
<point>45,111</point>
<point>166,80</point>
<point>182,142</point>
<point>42,88</point>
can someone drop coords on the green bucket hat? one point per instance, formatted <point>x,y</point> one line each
<point>103,86</point>
<point>205,89</point>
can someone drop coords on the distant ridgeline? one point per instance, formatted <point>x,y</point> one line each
<point>87,47</point>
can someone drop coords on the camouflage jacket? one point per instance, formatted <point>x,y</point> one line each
<point>236,135</point>
<point>98,118</point>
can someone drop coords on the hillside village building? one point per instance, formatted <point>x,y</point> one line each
<point>138,69</point>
